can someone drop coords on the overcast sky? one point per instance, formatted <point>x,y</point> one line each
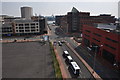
<point>46,8</point>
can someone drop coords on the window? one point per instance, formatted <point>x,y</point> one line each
<point>95,39</point>
<point>36,23</point>
<point>26,24</point>
<point>27,30</point>
<point>110,46</point>
<point>16,30</point>
<point>86,35</point>
<point>32,30</point>
<point>33,27</point>
<point>21,27</point>
<point>86,42</point>
<point>37,30</point>
<point>97,34</point>
<point>16,27</point>
<point>20,24</point>
<point>88,31</point>
<point>111,40</point>
<point>21,30</point>
<point>32,24</point>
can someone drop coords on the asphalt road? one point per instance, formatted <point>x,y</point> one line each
<point>27,60</point>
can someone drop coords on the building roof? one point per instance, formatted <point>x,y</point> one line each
<point>6,24</point>
<point>23,20</point>
<point>106,26</point>
<point>74,10</point>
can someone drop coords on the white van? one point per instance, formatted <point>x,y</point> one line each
<point>75,68</point>
<point>69,59</point>
<point>65,54</point>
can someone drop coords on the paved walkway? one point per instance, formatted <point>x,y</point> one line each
<point>62,68</point>
<point>9,41</point>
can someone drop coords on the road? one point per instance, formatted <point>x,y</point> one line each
<point>84,73</point>
<point>102,70</point>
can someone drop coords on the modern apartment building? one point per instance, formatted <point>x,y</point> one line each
<point>104,40</point>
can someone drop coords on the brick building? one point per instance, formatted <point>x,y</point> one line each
<point>58,20</point>
<point>107,41</point>
<point>75,20</point>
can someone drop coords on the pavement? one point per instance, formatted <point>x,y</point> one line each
<point>27,60</point>
<point>61,65</point>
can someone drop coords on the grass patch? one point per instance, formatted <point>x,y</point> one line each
<point>55,63</point>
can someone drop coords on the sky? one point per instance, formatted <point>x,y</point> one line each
<point>47,8</point>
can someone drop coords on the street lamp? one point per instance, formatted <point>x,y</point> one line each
<point>94,57</point>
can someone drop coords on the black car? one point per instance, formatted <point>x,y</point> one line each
<point>59,43</point>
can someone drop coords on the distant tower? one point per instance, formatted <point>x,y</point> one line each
<point>26,12</point>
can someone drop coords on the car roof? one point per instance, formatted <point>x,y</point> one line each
<point>66,52</point>
<point>69,57</point>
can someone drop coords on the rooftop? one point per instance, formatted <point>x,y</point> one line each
<point>74,10</point>
<point>106,26</point>
<point>23,20</point>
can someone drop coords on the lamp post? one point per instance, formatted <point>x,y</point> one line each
<point>94,57</point>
